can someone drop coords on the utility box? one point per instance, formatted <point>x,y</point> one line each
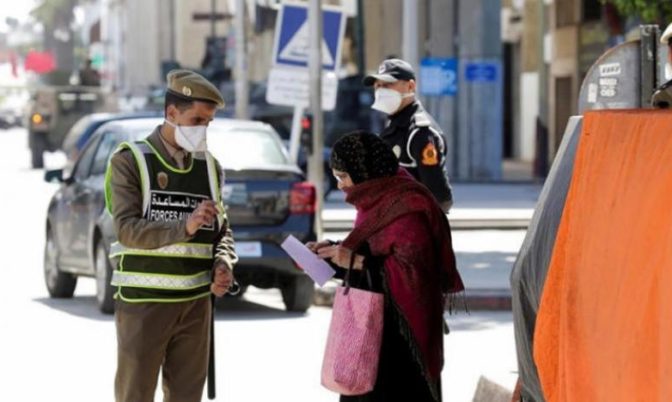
<point>626,76</point>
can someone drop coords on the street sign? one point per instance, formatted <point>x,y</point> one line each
<point>288,80</point>
<point>292,37</point>
<point>291,87</point>
<point>438,76</point>
<point>481,72</point>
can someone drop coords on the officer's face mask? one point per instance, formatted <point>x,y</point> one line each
<point>190,138</point>
<point>388,100</point>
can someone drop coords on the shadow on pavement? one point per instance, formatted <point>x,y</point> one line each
<point>82,306</point>
<point>228,309</point>
<point>240,309</point>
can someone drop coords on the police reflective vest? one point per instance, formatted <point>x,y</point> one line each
<point>180,271</point>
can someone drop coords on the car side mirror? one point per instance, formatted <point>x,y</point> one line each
<point>54,176</point>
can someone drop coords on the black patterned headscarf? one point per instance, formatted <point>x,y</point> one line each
<point>364,156</point>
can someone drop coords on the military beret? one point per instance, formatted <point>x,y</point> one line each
<point>193,86</point>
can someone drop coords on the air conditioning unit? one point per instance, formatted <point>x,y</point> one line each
<point>512,25</point>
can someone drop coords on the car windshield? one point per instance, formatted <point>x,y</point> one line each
<point>242,147</point>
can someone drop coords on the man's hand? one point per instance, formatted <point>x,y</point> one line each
<point>204,215</point>
<point>222,281</point>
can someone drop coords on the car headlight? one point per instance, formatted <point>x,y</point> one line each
<point>36,118</point>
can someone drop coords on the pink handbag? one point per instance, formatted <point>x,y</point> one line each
<point>350,365</point>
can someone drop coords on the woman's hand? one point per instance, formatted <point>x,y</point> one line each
<point>315,246</point>
<point>340,256</point>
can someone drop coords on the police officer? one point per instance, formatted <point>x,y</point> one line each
<point>165,199</point>
<point>414,136</point>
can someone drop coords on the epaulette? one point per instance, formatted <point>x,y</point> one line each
<point>421,120</point>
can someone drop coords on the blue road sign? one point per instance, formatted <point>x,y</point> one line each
<point>481,72</point>
<point>292,37</point>
<point>438,76</point>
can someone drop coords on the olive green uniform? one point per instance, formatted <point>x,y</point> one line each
<point>165,332</point>
<point>150,336</point>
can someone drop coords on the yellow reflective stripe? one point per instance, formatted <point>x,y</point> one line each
<point>213,179</point>
<point>144,173</point>
<point>177,250</point>
<point>160,281</point>
<point>119,295</point>
<point>166,164</point>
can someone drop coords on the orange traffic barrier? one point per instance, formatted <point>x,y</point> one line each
<point>604,328</point>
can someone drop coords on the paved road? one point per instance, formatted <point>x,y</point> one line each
<point>64,350</point>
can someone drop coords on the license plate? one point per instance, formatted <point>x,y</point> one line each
<point>248,248</point>
<point>235,194</point>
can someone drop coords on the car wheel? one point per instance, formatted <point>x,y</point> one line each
<point>59,284</point>
<point>298,294</point>
<point>104,290</point>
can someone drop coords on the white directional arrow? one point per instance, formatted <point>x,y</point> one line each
<point>297,48</point>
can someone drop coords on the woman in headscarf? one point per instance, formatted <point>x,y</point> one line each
<point>402,237</point>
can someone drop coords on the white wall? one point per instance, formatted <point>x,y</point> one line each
<point>529,110</point>
<point>191,35</point>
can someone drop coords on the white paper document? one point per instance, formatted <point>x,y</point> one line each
<point>314,266</point>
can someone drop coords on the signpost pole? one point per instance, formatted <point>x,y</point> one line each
<point>242,89</point>
<point>295,135</point>
<point>316,160</point>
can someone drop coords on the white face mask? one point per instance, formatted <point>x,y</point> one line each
<point>191,138</point>
<point>388,100</point>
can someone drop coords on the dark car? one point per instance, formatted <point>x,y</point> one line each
<point>266,195</point>
<point>84,128</point>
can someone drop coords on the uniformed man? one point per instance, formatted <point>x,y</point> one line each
<point>165,199</point>
<point>414,136</point>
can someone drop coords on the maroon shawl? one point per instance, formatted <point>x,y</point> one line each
<point>391,213</point>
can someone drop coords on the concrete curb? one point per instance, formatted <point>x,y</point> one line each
<point>466,224</point>
<point>476,299</point>
<point>338,218</point>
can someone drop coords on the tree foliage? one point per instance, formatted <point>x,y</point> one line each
<point>650,11</point>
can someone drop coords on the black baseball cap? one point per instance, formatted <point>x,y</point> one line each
<point>391,70</point>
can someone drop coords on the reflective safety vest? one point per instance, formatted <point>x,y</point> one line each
<point>180,271</point>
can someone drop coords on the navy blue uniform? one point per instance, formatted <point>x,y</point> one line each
<point>418,142</point>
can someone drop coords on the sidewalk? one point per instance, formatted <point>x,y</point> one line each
<point>484,253</point>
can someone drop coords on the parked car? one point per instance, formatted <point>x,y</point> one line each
<point>84,128</point>
<point>266,195</point>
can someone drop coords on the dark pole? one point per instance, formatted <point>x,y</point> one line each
<point>361,61</point>
<point>172,30</point>
<point>211,356</point>
<point>213,17</point>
